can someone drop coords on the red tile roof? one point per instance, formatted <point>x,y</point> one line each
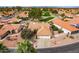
<point>9,27</point>
<point>34,25</point>
<point>65,25</point>
<point>12,20</point>
<point>8,20</point>
<point>3,32</point>
<point>43,28</point>
<point>23,14</point>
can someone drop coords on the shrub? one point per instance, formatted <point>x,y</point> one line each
<point>60,31</point>
<point>3,49</point>
<point>54,28</point>
<point>71,37</point>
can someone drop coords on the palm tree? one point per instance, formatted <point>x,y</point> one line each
<point>3,49</point>
<point>25,47</point>
<point>28,34</point>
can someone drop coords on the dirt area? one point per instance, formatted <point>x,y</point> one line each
<point>12,41</point>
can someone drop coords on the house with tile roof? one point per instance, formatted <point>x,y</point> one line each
<point>69,15</point>
<point>11,20</point>
<point>10,29</point>
<point>67,26</point>
<point>43,30</point>
<point>23,14</point>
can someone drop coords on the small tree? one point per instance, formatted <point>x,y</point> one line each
<point>72,37</point>
<point>54,28</point>
<point>3,49</point>
<point>63,15</point>
<point>54,11</point>
<point>25,47</point>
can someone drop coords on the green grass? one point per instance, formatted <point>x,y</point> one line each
<point>47,19</point>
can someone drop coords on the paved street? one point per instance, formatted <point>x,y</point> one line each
<point>73,48</point>
<point>68,48</point>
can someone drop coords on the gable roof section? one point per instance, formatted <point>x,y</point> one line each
<point>34,25</point>
<point>44,31</point>
<point>43,28</point>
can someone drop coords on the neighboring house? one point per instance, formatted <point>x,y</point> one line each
<point>11,20</point>
<point>23,14</point>
<point>69,15</point>
<point>67,26</point>
<point>3,33</point>
<point>43,30</point>
<point>14,20</point>
<point>10,29</point>
<point>10,13</point>
<point>67,19</point>
<point>44,33</point>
